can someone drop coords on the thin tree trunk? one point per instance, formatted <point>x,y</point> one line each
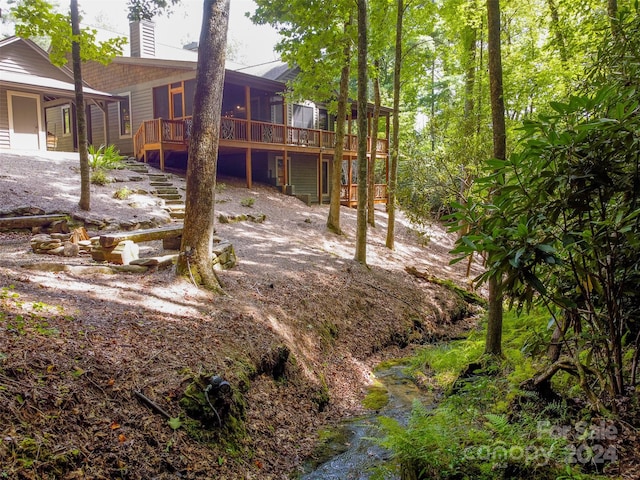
<point>361,229</point>
<point>195,259</point>
<point>557,31</point>
<point>333,220</point>
<point>612,11</point>
<point>85,171</point>
<point>371,212</point>
<point>393,167</point>
<point>493,344</point>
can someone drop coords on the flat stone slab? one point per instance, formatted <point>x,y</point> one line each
<point>163,261</point>
<point>30,221</point>
<point>160,233</point>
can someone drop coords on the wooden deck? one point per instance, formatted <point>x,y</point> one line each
<point>166,136</point>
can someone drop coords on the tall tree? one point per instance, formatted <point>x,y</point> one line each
<point>393,166</point>
<point>37,18</point>
<point>493,344</point>
<point>333,219</point>
<point>195,258</point>
<point>83,152</point>
<point>318,38</point>
<point>361,229</point>
<point>375,125</point>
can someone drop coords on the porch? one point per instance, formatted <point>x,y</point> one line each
<point>166,136</point>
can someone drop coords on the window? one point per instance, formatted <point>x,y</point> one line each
<point>124,116</point>
<point>66,120</point>
<point>302,116</point>
<point>189,94</point>
<point>161,102</point>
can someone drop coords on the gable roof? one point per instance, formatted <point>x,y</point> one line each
<point>26,66</point>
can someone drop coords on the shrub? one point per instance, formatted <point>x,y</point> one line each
<point>122,193</point>
<point>106,158</point>
<point>99,177</point>
<point>248,202</point>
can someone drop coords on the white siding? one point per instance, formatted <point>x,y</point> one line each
<point>4,120</point>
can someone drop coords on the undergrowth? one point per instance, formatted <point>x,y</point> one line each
<point>486,426</point>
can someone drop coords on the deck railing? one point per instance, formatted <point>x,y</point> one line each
<point>153,132</point>
<point>349,193</point>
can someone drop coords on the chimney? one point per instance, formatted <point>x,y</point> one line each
<point>142,39</point>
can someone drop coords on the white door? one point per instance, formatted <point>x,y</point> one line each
<point>25,123</point>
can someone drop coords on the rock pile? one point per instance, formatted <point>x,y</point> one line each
<point>59,244</point>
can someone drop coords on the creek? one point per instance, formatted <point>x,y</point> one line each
<point>350,451</point>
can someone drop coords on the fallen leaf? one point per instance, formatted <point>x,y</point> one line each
<point>122,438</point>
<point>111,382</point>
<point>115,425</point>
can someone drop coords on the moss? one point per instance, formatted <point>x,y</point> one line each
<point>321,397</point>
<point>215,416</point>
<point>377,397</point>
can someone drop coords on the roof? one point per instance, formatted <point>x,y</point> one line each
<point>50,86</point>
<point>276,70</point>
<point>13,75</point>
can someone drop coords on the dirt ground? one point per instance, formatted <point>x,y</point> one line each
<point>296,335</point>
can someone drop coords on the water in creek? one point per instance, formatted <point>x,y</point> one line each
<point>351,454</point>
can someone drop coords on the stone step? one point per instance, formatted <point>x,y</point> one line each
<point>154,183</point>
<point>176,215</point>
<point>165,191</point>
<point>158,177</point>
<point>138,169</point>
<point>175,207</point>
<point>174,202</point>
<point>169,196</point>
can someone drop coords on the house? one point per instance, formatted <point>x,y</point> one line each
<point>263,138</point>
<point>37,110</point>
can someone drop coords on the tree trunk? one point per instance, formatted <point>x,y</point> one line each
<point>612,11</point>
<point>361,230</point>
<point>375,124</point>
<point>85,171</point>
<point>557,31</point>
<point>393,167</point>
<point>333,220</point>
<point>195,259</point>
<point>493,344</point>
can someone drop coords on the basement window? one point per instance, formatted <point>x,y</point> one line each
<point>124,116</point>
<point>66,120</point>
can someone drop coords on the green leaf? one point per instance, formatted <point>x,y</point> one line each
<point>175,422</point>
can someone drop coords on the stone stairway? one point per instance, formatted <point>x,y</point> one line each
<point>163,188</point>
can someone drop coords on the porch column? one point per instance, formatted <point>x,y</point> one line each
<point>285,161</point>
<point>248,166</point>
<point>285,122</point>
<point>247,103</point>
<point>320,178</point>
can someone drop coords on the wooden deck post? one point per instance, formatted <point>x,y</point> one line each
<point>320,177</point>
<point>285,161</point>
<point>248,167</point>
<point>160,139</point>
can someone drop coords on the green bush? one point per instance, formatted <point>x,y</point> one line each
<point>248,202</point>
<point>99,177</point>
<point>122,193</point>
<point>105,158</point>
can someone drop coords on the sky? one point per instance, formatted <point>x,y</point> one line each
<point>252,43</point>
